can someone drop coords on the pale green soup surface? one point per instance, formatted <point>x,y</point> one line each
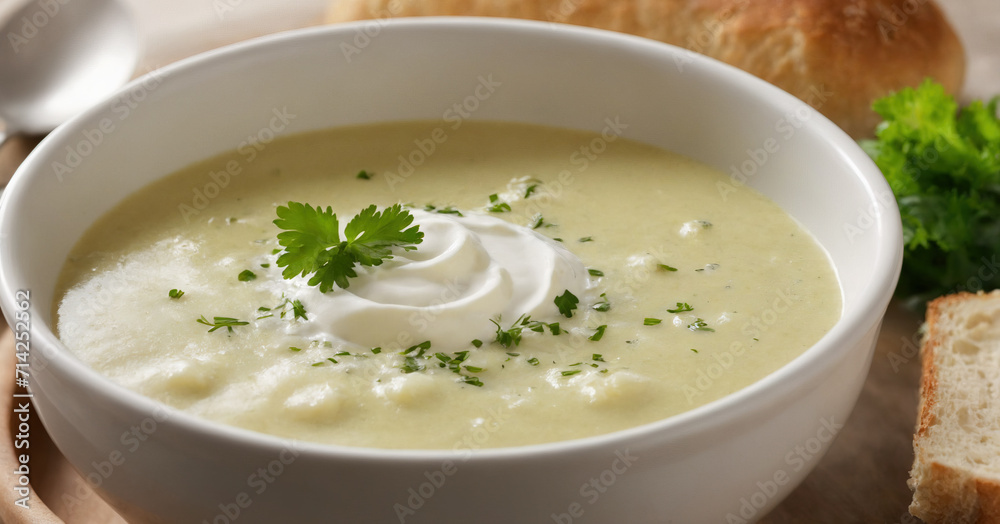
<point>758,285</point>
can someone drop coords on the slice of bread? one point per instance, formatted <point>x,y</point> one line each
<point>956,468</point>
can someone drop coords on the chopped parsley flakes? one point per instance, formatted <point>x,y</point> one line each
<point>221,322</point>
<point>699,325</point>
<point>603,305</point>
<point>681,308</point>
<point>496,205</point>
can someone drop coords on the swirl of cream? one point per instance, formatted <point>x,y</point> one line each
<point>466,271</point>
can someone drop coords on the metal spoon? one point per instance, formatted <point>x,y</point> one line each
<point>59,57</point>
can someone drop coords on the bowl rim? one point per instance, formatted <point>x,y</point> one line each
<point>806,368</point>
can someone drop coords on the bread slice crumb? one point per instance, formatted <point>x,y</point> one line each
<point>956,468</point>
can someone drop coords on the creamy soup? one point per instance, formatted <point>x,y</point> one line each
<point>567,284</point>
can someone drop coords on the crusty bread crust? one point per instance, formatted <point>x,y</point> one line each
<point>946,493</point>
<point>837,55</point>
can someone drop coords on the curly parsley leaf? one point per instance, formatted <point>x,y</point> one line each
<point>943,165</point>
<point>312,243</point>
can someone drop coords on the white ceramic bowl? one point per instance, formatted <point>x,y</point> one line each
<point>733,458</point>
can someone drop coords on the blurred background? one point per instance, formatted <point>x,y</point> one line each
<point>174,29</point>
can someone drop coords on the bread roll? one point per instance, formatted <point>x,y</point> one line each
<point>956,468</point>
<point>836,55</point>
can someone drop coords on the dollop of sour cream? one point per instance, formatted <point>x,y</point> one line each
<point>467,270</point>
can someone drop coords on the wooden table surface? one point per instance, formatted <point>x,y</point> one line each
<point>861,479</point>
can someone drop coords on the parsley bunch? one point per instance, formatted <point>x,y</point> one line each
<point>313,246</point>
<point>943,165</point>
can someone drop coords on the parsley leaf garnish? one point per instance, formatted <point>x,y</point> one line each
<point>312,243</point>
<point>420,348</point>
<point>603,305</point>
<point>567,303</point>
<point>298,310</point>
<point>539,221</point>
<point>699,325</point>
<point>498,205</point>
<point>681,308</point>
<point>943,164</point>
<point>175,293</point>
<point>246,276</point>
<point>512,335</point>
<point>472,381</point>
<point>221,322</point>
<point>411,365</point>
<point>447,210</point>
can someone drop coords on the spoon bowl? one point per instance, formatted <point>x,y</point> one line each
<point>59,58</point>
